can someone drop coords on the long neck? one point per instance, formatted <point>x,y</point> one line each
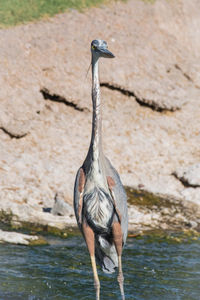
<point>96,144</point>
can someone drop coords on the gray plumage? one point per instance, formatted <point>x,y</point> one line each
<point>99,197</point>
<point>106,256</point>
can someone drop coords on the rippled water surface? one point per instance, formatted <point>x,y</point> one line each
<point>154,268</point>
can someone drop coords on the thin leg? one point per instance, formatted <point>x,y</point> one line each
<point>117,238</point>
<point>120,278</point>
<point>89,238</point>
<point>96,277</point>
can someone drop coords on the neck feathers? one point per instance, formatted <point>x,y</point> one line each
<point>93,161</point>
<point>96,120</point>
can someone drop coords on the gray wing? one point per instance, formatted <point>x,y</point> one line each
<point>77,197</point>
<point>120,197</point>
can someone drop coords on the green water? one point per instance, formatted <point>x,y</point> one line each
<point>154,268</point>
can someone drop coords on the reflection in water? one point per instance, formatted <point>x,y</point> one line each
<point>154,268</point>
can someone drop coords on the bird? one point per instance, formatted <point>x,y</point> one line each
<point>100,201</point>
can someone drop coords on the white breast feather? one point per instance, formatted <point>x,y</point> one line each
<point>99,207</point>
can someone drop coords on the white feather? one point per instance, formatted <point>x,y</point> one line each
<point>98,207</point>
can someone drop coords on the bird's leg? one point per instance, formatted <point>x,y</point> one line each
<point>117,238</point>
<point>96,277</point>
<point>89,238</point>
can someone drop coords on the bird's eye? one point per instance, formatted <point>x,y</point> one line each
<point>93,47</point>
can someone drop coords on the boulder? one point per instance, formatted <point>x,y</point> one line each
<point>20,238</point>
<point>61,208</point>
<point>189,176</point>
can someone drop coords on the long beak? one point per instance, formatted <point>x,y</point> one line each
<point>105,53</point>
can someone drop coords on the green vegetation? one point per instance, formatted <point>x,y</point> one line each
<point>31,228</point>
<point>13,12</point>
<point>149,1</point>
<point>147,199</point>
<point>39,242</point>
<point>5,217</point>
<point>175,237</point>
<point>10,222</point>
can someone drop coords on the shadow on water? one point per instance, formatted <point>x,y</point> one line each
<point>154,268</point>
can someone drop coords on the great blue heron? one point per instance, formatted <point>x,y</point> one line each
<point>100,201</point>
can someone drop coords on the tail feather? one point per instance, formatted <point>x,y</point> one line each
<point>106,256</point>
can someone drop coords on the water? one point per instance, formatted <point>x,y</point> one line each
<point>154,269</point>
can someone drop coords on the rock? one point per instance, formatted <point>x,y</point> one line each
<point>161,96</point>
<point>14,131</point>
<point>12,124</point>
<point>150,212</point>
<point>20,238</point>
<point>147,133</point>
<point>189,176</point>
<point>191,194</point>
<point>193,224</point>
<point>61,208</point>
<point>154,94</point>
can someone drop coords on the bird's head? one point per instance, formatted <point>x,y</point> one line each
<point>99,48</point>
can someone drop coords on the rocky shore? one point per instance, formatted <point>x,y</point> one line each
<point>151,113</point>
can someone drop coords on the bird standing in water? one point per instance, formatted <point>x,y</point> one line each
<point>100,201</point>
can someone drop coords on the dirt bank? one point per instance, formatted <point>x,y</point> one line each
<point>151,113</point>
